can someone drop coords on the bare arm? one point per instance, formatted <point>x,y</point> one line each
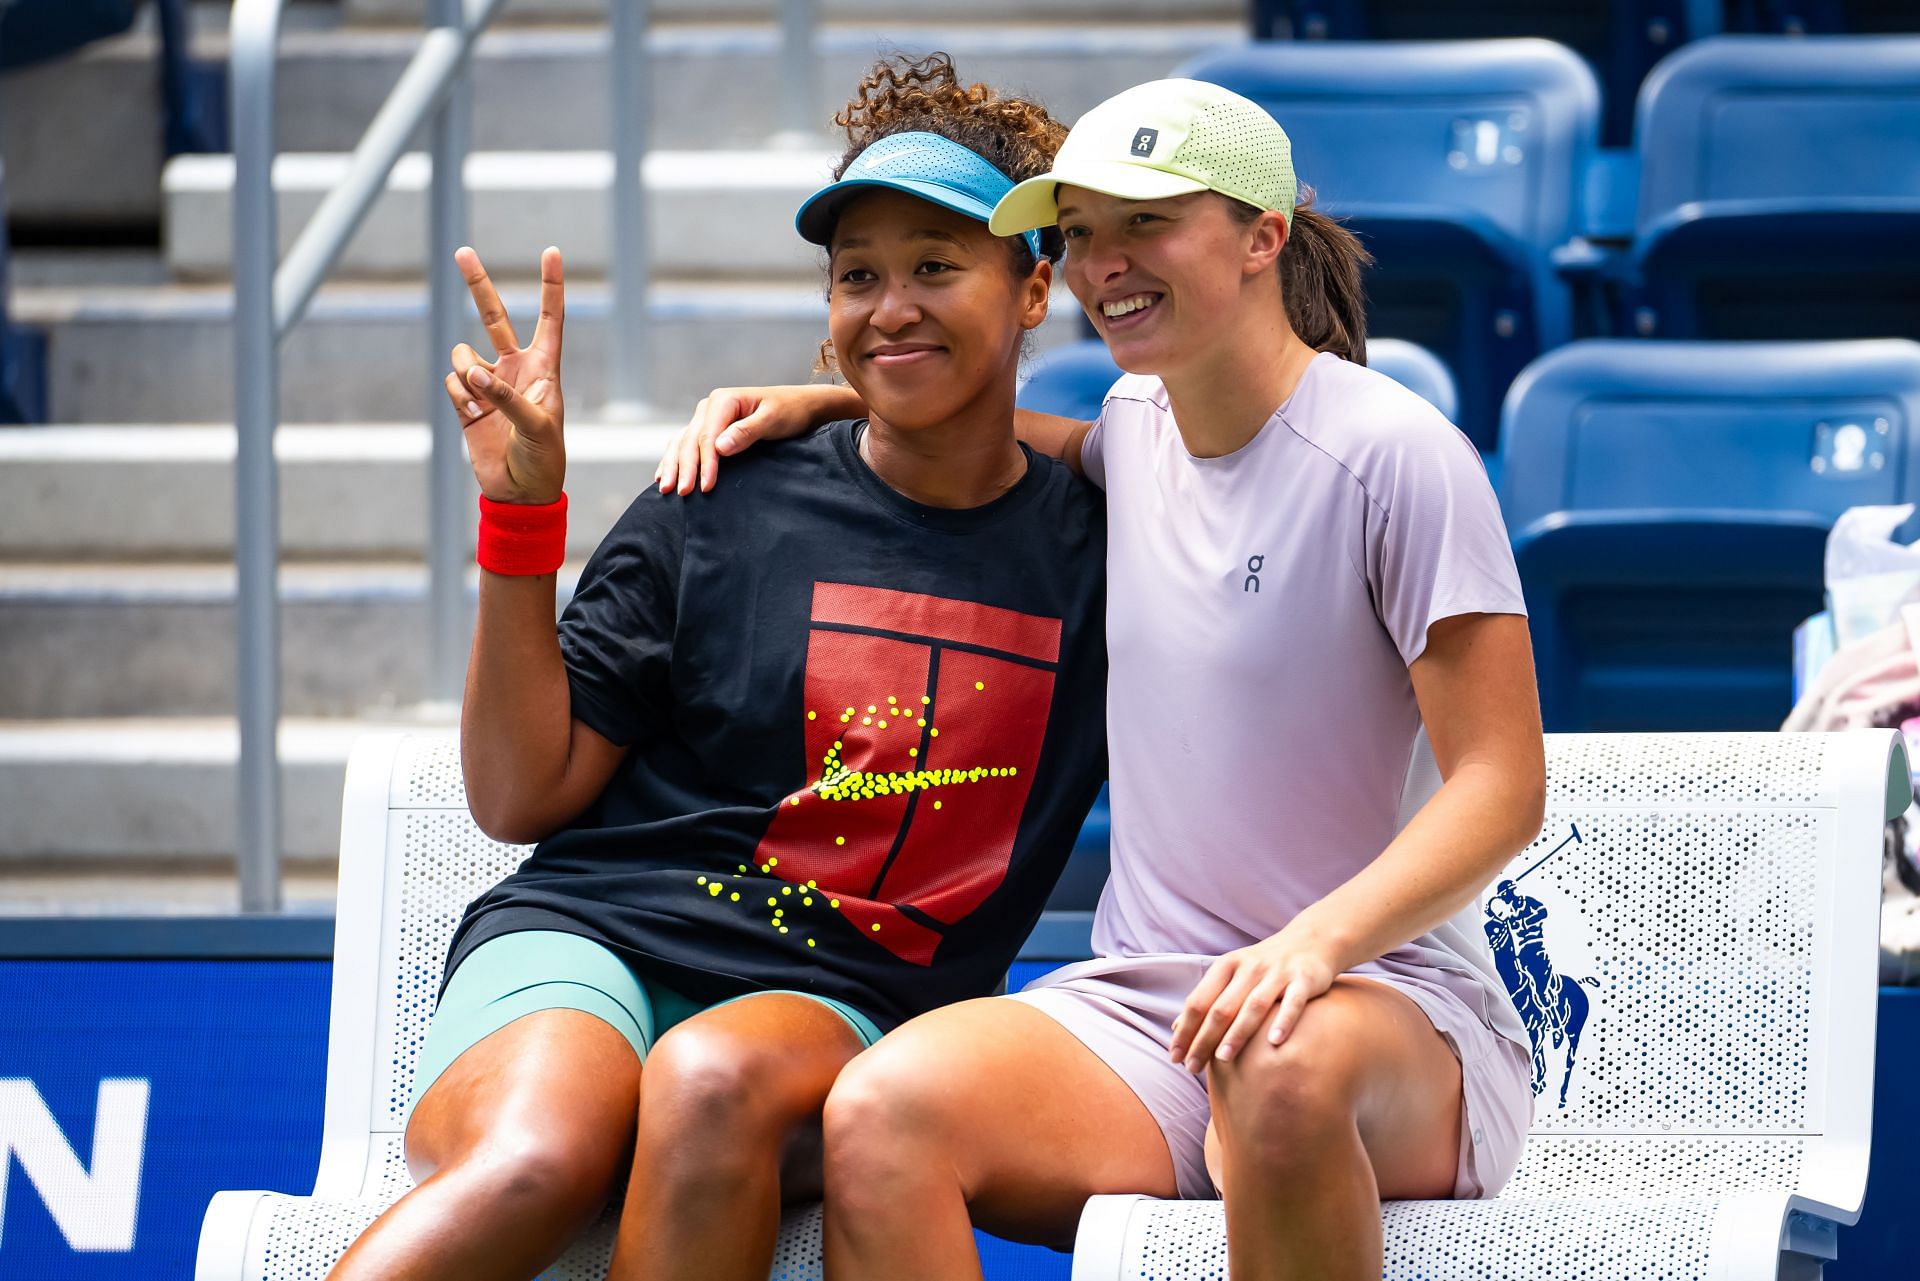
<point>529,765</point>
<point>729,419</point>
<point>1475,687</point>
<point>1052,435</point>
<point>1476,692</point>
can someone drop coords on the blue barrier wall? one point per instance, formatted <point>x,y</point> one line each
<point>231,1054</point>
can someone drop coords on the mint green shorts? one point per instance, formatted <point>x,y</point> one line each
<point>527,971</point>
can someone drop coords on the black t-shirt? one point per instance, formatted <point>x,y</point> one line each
<point>863,732</point>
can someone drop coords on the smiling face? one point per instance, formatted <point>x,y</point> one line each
<point>1166,282</point>
<point>925,310</point>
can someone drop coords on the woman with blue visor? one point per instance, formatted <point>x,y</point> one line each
<point>802,760</point>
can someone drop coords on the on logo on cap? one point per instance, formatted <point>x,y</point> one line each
<point>1144,140</point>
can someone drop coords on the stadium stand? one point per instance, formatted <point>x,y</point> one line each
<point>116,533</point>
<point>1620,39</point>
<point>1461,165</point>
<point>1777,191</point>
<point>1072,381</point>
<point>1669,504</point>
<point>1740,872</point>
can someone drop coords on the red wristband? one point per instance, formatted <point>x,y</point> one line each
<point>522,539</point>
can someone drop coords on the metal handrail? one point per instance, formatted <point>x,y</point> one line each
<point>267,304</point>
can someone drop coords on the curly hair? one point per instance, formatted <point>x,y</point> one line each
<point>924,95</point>
<point>907,95</point>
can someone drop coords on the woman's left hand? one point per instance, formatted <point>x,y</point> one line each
<point>1225,1012</point>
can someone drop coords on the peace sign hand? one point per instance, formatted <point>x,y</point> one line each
<point>510,407</point>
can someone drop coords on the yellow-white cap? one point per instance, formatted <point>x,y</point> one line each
<point>1160,139</point>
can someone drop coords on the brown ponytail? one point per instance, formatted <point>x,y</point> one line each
<point>1320,279</point>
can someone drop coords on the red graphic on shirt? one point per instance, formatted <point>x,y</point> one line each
<point>923,730</point>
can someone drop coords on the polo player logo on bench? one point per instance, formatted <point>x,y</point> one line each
<point>1553,1008</point>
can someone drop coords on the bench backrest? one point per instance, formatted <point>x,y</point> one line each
<point>1500,130</point>
<point>1716,915</point>
<point>1610,424</point>
<point>1756,118</point>
<point>1713,924</point>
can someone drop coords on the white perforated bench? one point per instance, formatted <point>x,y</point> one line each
<point>1723,893</point>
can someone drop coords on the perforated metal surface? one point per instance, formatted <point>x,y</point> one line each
<point>1655,1166</point>
<point>1688,899</point>
<point>429,775</point>
<point>796,1256</point>
<point>447,862</point>
<point>1462,1241</point>
<point>1674,770</point>
<point>1661,938</point>
<point>306,1236</point>
<point>1697,933</point>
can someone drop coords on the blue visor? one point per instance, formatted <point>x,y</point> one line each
<point>926,165</point>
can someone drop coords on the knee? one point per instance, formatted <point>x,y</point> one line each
<point>527,1176</point>
<point>1283,1108</point>
<point>884,1110</point>
<point>717,1090</point>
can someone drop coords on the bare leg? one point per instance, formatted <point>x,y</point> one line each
<point>727,1094</point>
<point>986,1112</point>
<point>1361,1103</point>
<point>518,1146</point>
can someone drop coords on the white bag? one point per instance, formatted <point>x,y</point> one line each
<point>1869,575</point>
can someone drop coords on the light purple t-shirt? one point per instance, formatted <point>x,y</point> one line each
<point>1263,609</point>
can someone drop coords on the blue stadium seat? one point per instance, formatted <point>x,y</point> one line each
<point>1620,39</point>
<point>37,30</point>
<point>1669,504</point>
<point>1072,381</point>
<point>1461,165</point>
<point>1779,190</point>
<point>1079,886</point>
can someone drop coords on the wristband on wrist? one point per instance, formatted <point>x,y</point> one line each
<point>522,539</point>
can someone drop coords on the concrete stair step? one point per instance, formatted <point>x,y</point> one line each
<point>85,802</point>
<point>164,354</point>
<point>65,134</point>
<point>88,640</point>
<point>145,888</point>
<point>144,493</point>
<point>710,213</point>
<point>132,354</point>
